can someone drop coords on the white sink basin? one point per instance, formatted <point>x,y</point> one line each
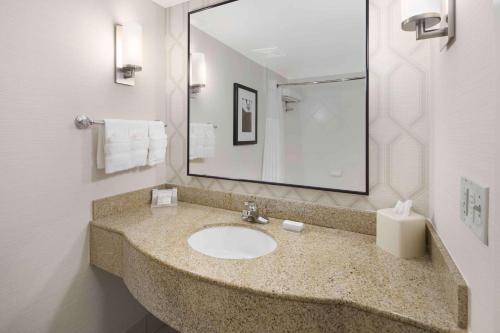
<point>232,242</point>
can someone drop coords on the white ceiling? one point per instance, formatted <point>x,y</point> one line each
<point>295,38</point>
<point>169,3</point>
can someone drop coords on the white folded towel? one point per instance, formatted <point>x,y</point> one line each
<point>122,145</point>
<point>139,142</point>
<point>157,143</point>
<point>101,137</point>
<point>117,147</point>
<point>201,141</point>
<point>209,147</point>
<point>195,141</point>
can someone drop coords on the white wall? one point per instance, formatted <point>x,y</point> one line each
<point>325,134</point>
<point>214,104</point>
<point>465,143</point>
<point>57,61</point>
<point>496,207</point>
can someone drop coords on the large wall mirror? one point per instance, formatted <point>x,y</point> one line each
<point>278,93</point>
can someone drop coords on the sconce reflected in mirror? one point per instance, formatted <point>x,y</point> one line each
<point>128,52</point>
<point>423,15</point>
<point>197,73</point>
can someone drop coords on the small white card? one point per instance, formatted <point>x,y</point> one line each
<point>164,198</point>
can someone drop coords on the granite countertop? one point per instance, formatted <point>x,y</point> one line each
<point>319,265</point>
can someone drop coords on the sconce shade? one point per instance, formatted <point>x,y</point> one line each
<point>131,46</point>
<point>198,70</point>
<point>413,11</point>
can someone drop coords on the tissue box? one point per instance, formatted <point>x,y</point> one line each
<point>402,236</point>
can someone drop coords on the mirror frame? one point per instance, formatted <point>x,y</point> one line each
<point>367,119</point>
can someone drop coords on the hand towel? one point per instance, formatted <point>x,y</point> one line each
<point>122,145</point>
<point>209,146</point>
<point>117,146</point>
<point>158,141</point>
<point>100,148</point>
<point>201,141</point>
<point>139,142</point>
<point>195,141</point>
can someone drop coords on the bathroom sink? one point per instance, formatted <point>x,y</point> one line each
<point>232,242</point>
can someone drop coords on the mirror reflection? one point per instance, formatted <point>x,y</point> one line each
<point>278,93</point>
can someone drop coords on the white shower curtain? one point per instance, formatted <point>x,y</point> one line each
<point>273,167</point>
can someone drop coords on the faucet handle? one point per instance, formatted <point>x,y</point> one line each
<point>250,205</point>
<point>250,213</point>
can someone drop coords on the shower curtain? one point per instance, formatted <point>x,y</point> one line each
<point>273,166</point>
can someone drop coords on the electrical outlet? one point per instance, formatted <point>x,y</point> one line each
<point>474,208</point>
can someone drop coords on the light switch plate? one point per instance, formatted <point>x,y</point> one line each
<point>474,208</point>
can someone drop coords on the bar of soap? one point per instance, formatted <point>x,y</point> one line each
<point>402,236</point>
<point>293,226</point>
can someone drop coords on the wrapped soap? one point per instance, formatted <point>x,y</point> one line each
<point>402,235</point>
<point>293,226</point>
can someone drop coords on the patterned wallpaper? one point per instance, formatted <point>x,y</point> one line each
<point>399,119</point>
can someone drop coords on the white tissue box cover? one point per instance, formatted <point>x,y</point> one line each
<point>402,236</point>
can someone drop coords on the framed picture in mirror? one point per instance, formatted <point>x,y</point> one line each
<point>245,115</point>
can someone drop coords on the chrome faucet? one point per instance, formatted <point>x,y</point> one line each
<point>251,213</point>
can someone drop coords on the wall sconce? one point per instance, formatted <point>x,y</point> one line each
<point>128,53</point>
<point>197,73</point>
<point>422,15</point>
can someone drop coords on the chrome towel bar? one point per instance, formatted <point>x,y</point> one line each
<point>83,122</point>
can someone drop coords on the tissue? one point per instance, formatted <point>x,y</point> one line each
<point>403,208</point>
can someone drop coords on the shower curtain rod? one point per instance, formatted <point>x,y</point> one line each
<point>344,79</point>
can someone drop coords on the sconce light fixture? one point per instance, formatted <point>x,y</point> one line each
<point>422,15</point>
<point>128,53</point>
<point>197,73</point>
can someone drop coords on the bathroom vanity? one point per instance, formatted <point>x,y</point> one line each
<point>329,278</point>
<point>278,94</point>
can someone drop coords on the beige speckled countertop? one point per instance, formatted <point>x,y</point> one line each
<point>320,265</point>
